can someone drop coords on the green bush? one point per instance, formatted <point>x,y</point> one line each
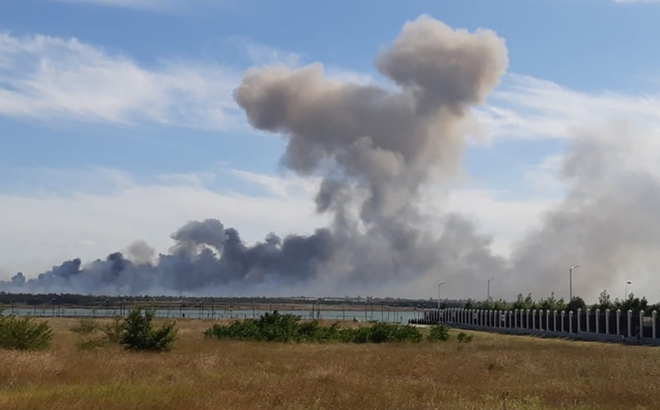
<point>85,326</point>
<point>138,332</point>
<point>93,334</point>
<point>464,337</point>
<point>24,333</point>
<point>384,333</point>
<point>274,327</point>
<point>114,329</point>
<point>439,333</point>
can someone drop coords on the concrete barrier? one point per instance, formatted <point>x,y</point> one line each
<point>524,322</point>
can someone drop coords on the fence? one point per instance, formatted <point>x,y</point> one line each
<point>584,325</point>
<point>389,314</point>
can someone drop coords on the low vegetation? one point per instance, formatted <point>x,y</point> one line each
<point>24,333</point>
<point>86,326</point>
<point>138,332</point>
<point>463,337</point>
<point>114,329</point>
<point>491,372</point>
<point>438,333</point>
<point>275,327</point>
<point>135,332</point>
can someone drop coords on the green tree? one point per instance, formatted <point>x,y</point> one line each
<point>24,333</point>
<point>632,303</point>
<point>439,333</point>
<point>604,301</point>
<point>524,303</point>
<point>139,334</point>
<point>552,303</point>
<point>520,302</point>
<point>575,304</point>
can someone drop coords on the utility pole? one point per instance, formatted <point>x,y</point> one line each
<point>440,284</point>
<point>570,281</point>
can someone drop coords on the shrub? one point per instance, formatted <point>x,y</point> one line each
<point>86,326</point>
<point>464,337</point>
<point>271,327</point>
<point>439,333</point>
<point>93,334</point>
<point>139,334</point>
<point>24,333</point>
<point>274,327</point>
<point>359,335</point>
<point>383,333</point>
<point>114,329</point>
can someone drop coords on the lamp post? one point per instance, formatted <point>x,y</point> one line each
<point>439,284</point>
<point>570,281</point>
<point>488,291</point>
<point>625,296</point>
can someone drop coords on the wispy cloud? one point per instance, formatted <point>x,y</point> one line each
<point>46,77</point>
<point>527,107</point>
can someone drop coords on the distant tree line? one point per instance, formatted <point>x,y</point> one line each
<point>96,301</point>
<point>551,303</point>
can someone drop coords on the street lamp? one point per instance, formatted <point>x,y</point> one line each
<point>570,281</point>
<point>488,292</point>
<point>439,284</point>
<point>625,296</point>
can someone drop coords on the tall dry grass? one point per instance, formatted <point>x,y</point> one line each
<point>211,374</point>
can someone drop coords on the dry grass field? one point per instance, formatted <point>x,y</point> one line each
<point>210,374</point>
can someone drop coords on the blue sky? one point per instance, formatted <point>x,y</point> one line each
<point>118,123</point>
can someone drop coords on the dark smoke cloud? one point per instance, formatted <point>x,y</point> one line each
<point>374,148</point>
<point>207,256</point>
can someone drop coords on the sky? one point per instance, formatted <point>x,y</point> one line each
<point>118,120</point>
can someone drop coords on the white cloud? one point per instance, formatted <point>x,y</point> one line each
<point>526,107</point>
<point>533,109</point>
<point>261,54</point>
<point>52,78</point>
<point>282,187</point>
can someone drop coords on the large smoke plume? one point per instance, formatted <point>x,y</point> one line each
<point>376,148</point>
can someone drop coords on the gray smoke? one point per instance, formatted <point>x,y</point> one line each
<point>386,143</point>
<point>206,257</point>
<point>375,148</point>
<point>141,253</point>
<point>608,223</point>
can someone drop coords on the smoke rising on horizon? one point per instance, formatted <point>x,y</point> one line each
<point>608,221</point>
<point>376,149</point>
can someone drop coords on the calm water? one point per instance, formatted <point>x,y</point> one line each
<point>385,316</point>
